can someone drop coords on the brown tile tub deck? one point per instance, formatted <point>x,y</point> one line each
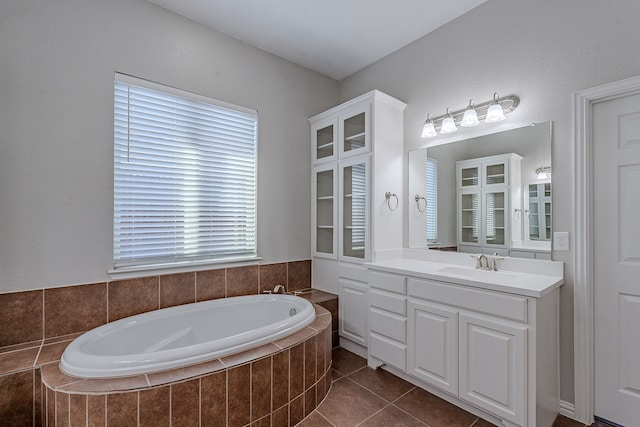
<point>283,380</point>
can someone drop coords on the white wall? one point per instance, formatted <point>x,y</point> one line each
<point>543,51</point>
<point>57,63</point>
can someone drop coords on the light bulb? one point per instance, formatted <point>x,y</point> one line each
<point>428,130</point>
<point>542,173</point>
<point>470,117</point>
<point>494,113</point>
<point>448,126</point>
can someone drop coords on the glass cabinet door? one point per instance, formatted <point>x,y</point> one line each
<point>495,173</point>
<point>325,214</point>
<point>469,177</point>
<point>469,218</point>
<point>533,213</point>
<point>539,211</point>
<point>547,210</point>
<point>494,218</point>
<point>324,136</point>
<point>355,177</point>
<point>354,132</point>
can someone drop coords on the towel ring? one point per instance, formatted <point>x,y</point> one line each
<point>388,195</point>
<point>418,198</point>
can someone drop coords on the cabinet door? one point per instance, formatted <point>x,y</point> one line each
<point>353,311</point>
<point>354,210</point>
<point>324,137</point>
<point>324,211</point>
<point>495,173</point>
<point>493,366</point>
<point>432,342</point>
<point>468,177</point>
<point>495,218</point>
<point>354,132</point>
<point>469,216</point>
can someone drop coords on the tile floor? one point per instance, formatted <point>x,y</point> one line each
<point>361,396</point>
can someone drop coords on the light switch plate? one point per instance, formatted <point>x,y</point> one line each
<point>561,240</point>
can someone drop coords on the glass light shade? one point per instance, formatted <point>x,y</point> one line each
<point>542,175</point>
<point>428,130</point>
<point>494,113</point>
<point>470,118</point>
<point>448,125</point>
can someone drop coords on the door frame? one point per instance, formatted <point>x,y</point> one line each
<point>583,287</point>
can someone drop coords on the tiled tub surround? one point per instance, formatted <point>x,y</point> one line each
<point>276,384</point>
<point>328,301</point>
<point>36,326</point>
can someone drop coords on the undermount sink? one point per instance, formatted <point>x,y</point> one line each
<point>476,273</point>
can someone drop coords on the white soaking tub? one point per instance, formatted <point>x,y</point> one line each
<point>179,336</point>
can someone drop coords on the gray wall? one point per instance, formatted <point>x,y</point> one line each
<point>57,63</point>
<point>543,51</point>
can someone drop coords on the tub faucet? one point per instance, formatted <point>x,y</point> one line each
<point>279,289</point>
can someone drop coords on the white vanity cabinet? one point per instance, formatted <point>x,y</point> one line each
<point>357,157</point>
<point>495,351</point>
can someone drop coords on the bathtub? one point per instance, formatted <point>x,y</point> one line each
<point>184,335</point>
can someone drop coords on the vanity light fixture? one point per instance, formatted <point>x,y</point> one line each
<point>428,129</point>
<point>470,117</point>
<point>490,111</point>
<point>543,172</point>
<point>448,124</point>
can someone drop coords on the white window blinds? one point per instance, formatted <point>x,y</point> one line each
<point>184,176</point>
<point>432,200</point>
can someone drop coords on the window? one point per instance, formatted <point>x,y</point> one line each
<point>184,177</point>
<point>432,200</point>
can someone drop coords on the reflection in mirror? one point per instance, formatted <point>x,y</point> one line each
<point>490,194</point>
<point>537,210</point>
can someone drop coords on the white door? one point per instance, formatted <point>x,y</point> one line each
<point>616,235</point>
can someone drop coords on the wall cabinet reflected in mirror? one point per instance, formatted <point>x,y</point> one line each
<point>495,206</point>
<point>538,211</point>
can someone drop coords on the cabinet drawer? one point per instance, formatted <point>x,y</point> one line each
<point>388,282</point>
<point>353,272</point>
<point>388,325</point>
<point>388,301</point>
<point>496,304</point>
<point>390,352</point>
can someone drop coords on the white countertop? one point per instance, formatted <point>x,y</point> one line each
<point>514,282</point>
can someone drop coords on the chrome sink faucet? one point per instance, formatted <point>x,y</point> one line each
<point>487,263</point>
<point>482,262</point>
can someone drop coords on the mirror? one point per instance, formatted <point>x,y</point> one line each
<point>486,194</point>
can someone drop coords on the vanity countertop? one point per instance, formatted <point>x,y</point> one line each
<point>514,282</point>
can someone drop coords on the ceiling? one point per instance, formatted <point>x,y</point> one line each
<point>334,37</point>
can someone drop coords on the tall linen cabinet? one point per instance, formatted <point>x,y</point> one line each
<point>356,201</point>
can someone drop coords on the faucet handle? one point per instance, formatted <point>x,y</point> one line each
<point>492,262</point>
